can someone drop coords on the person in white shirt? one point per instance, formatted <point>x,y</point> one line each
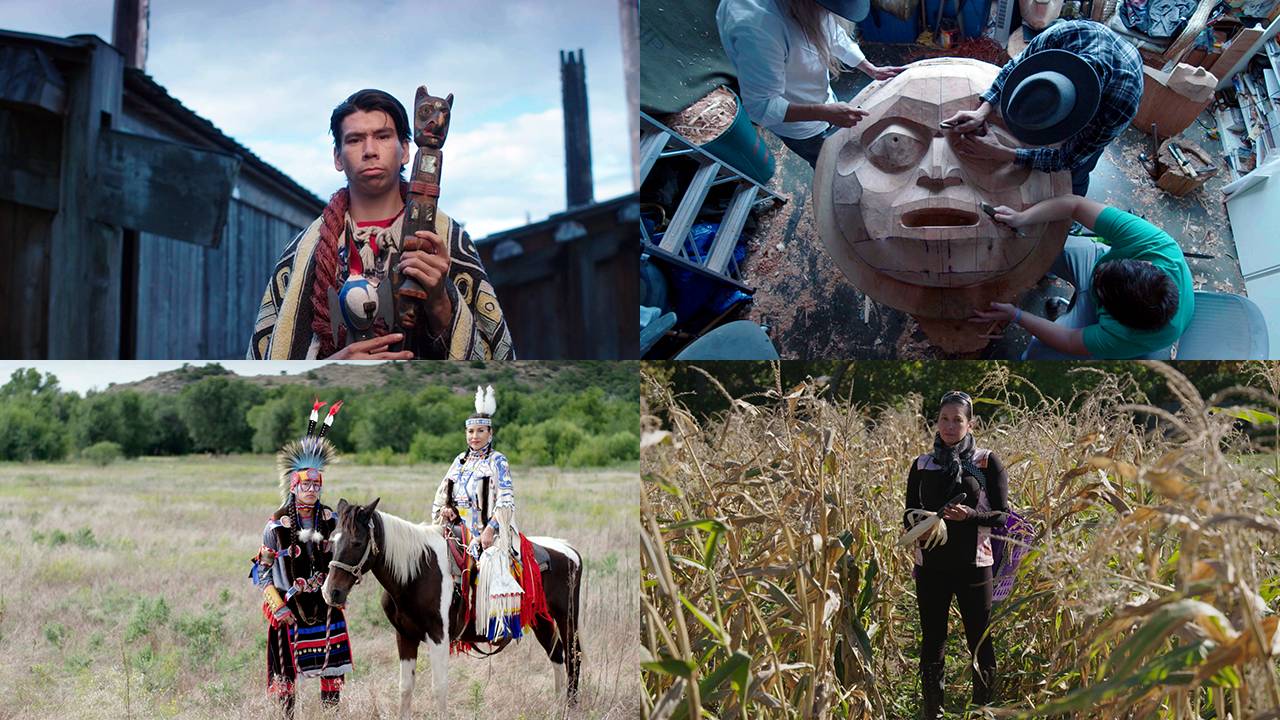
<point>785,53</point>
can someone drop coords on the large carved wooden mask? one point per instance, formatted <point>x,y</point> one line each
<point>907,204</point>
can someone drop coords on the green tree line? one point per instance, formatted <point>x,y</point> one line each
<point>569,421</point>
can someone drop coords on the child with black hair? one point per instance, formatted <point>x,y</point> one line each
<point>1134,298</point>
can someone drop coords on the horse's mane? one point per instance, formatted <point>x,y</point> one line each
<point>404,543</point>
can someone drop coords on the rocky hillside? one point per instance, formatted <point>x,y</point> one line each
<point>617,377</point>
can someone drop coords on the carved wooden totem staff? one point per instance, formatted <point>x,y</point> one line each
<point>430,125</point>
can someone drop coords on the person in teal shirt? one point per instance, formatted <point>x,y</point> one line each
<point>1134,298</point>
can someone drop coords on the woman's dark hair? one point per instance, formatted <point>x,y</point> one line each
<point>369,100</point>
<point>956,397</point>
<point>1136,293</point>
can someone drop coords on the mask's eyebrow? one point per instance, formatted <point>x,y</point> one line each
<point>920,130</point>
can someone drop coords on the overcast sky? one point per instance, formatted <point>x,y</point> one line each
<point>99,374</point>
<point>269,74</point>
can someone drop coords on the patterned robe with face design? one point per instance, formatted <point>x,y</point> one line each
<point>478,330</point>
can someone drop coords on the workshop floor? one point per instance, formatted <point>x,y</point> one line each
<point>812,311</point>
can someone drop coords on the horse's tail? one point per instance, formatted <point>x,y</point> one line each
<point>577,590</point>
<point>582,581</point>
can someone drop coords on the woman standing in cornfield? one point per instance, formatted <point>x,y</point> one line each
<point>957,495</point>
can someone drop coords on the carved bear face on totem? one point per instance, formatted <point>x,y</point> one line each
<point>430,118</point>
<point>900,211</point>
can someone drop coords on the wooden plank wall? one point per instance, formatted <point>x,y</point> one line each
<point>573,300</point>
<point>84,289</point>
<point>197,302</point>
<point>618,276</point>
<point>536,306</point>
<point>24,281</point>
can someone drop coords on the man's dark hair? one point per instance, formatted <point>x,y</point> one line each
<point>1136,293</point>
<point>369,100</point>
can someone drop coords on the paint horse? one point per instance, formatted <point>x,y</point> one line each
<point>412,562</point>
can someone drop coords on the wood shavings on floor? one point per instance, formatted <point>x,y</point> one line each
<point>707,118</point>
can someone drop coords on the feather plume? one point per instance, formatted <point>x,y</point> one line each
<point>315,416</point>
<point>490,404</point>
<point>328,420</point>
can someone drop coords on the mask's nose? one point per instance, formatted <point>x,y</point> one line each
<point>940,169</point>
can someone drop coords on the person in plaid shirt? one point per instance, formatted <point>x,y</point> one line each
<point>1073,143</point>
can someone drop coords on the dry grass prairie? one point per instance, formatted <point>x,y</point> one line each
<point>124,593</point>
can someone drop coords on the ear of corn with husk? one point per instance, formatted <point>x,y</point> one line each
<point>927,527</point>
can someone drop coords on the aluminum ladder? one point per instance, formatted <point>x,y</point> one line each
<point>658,141</point>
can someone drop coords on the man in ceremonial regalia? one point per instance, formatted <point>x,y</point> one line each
<point>347,251</point>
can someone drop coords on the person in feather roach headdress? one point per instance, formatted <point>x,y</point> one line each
<point>305,637</point>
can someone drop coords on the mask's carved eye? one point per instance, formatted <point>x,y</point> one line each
<point>896,149</point>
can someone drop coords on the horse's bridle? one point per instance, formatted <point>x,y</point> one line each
<point>358,569</point>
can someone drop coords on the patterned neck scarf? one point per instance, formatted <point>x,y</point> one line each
<point>954,459</point>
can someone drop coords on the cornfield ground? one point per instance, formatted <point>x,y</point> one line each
<point>773,584</point>
<point>124,593</point>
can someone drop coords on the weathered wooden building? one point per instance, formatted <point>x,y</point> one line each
<point>132,227</point>
<point>570,284</point>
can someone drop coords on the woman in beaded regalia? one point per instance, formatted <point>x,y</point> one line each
<point>476,493</point>
<point>305,637</point>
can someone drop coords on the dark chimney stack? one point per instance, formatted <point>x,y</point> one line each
<point>631,69</point>
<point>577,134</point>
<point>129,31</point>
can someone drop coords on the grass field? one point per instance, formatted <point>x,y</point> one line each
<point>774,584</point>
<point>124,593</point>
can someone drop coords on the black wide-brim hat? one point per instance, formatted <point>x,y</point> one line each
<point>1050,96</point>
<point>852,10</point>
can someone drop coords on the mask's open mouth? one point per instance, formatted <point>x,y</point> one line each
<point>939,217</point>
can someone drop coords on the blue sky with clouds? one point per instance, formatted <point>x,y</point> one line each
<point>269,74</point>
